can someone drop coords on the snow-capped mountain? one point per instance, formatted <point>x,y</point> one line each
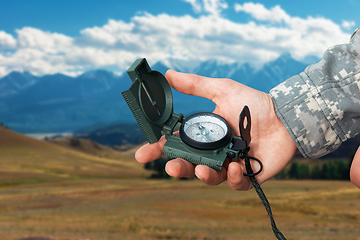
<point>57,103</point>
<point>263,79</point>
<point>16,82</point>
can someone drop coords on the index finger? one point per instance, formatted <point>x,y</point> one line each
<point>192,84</point>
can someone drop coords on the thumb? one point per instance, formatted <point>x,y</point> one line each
<point>192,84</point>
<point>355,169</point>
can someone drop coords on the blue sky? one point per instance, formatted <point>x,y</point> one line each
<point>46,37</point>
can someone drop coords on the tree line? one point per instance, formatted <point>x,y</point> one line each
<point>158,166</point>
<point>325,170</point>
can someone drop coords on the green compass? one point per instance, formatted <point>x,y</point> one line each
<point>204,138</point>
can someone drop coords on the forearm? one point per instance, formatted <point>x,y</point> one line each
<point>320,107</point>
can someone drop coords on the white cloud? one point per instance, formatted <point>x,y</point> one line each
<point>347,24</point>
<point>213,7</point>
<point>196,4</point>
<point>48,42</point>
<point>157,37</point>
<point>6,41</point>
<point>299,36</point>
<point>259,12</point>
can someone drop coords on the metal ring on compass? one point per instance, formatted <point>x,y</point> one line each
<point>254,174</point>
<point>205,131</point>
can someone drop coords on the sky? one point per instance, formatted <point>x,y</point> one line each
<point>70,37</point>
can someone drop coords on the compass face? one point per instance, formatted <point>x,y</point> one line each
<point>205,131</point>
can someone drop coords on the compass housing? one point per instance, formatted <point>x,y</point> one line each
<point>208,131</point>
<point>149,98</point>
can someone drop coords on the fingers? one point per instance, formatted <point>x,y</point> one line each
<point>180,168</point>
<point>235,178</point>
<point>355,169</point>
<point>210,176</point>
<point>150,152</point>
<point>192,84</point>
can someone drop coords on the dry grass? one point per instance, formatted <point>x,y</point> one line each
<point>148,209</point>
<point>24,160</point>
<point>59,193</point>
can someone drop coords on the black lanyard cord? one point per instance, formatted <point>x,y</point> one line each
<point>261,194</point>
<point>241,145</point>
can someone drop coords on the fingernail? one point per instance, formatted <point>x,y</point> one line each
<point>198,177</point>
<point>232,172</point>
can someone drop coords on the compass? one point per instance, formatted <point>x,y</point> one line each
<point>204,138</point>
<point>205,131</point>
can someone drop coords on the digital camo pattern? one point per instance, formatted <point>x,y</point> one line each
<point>320,107</point>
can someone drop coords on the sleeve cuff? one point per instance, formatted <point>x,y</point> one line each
<point>307,118</point>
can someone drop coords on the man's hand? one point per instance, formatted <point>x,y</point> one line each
<point>270,142</point>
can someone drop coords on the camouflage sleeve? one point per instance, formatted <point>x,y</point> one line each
<point>320,107</point>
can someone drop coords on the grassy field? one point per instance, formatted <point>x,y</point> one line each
<point>58,191</point>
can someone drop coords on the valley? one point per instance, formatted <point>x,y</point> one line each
<point>66,189</point>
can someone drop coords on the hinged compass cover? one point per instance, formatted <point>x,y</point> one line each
<point>149,98</point>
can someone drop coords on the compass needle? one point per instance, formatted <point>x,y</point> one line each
<point>152,101</point>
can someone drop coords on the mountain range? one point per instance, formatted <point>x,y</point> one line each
<point>60,103</point>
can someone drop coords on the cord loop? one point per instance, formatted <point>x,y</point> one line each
<point>254,174</point>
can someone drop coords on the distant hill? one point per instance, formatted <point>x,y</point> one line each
<point>89,146</point>
<point>59,103</point>
<point>128,134</point>
<point>25,160</point>
<point>114,135</point>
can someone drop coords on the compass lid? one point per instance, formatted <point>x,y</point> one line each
<point>149,98</point>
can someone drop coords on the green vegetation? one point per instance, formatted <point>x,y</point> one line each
<point>159,167</point>
<point>324,170</point>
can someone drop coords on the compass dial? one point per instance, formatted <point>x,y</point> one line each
<point>205,131</point>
